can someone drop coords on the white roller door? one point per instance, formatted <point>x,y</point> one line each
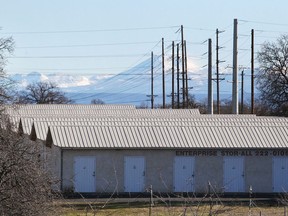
<point>84,174</point>
<point>280,174</point>
<point>184,174</point>
<point>134,173</point>
<point>233,174</point>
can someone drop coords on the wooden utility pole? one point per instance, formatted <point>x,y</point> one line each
<point>173,79</point>
<point>210,89</point>
<point>183,67</point>
<point>152,84</point>
<point>252,71</point>
<point>163,74</point>
<point>186,73</point>
<point>242,92</point>
<point>235,105</point>
<point>178,78</point>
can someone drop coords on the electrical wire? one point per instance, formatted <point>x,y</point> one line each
<point>124,88</point>
<point>91,56</point>
<point>264,23</point>
<point>133,79</point>
<point>86,45</point>
<point>106,83</point>
<point>91,30</point>
<point>83,69</point>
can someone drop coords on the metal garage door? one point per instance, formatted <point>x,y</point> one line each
<point>233,174</point>
<point>280,174</point>
<point>84,174</point>
<point>184,174</point>
<point>134,174</point>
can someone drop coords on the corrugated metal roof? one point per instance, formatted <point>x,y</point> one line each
<point>145,128</point>
<point>163,137</point>
<point>102,112</point>
<point>111,111</point>
<point>68,106</point>
<point>27,121</point>
<point>156,118</point>
<point>41,127</point>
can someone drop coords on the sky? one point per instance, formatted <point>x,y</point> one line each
<point>105,36</point>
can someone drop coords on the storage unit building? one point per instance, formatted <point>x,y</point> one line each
<point>129,150</point>
<point>173,158</point>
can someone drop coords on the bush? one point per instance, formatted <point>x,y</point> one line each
<point>25,187</point>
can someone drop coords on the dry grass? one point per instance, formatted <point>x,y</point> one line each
<point>161,209</point>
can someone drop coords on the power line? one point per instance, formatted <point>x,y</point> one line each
<point>198,29</point>
<point>92,56</point>
<point>127,85</point>
<point>80,69</point>
<point>86,45</point>
<point>108,74</point>
<point>146,54</point>
<point>91,30</point>
<point>265,23</point>
<point>270,31</point>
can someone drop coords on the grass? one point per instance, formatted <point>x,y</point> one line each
<point>83,208</point>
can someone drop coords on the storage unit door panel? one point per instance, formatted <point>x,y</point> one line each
<point>134,174</point>
<point>184,174</point>
<point>280,174</point>
<point>233,174</point>
<point>84,174</point>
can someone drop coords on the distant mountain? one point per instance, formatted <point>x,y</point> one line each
<point>131,86</point>
<point>62,80</point>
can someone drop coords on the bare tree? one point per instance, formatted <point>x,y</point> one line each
<point>25,187</point>
<point>6,48</point>
<point>273,75</point>
<point>43,93</point>
<point>97,101</point>
<point>143,105</point>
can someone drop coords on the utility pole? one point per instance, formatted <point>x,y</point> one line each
<point>178,78</point>
<point>152,84</point>
<point>235,108</point>
<point>242,92</point>
<point>173,79</point>
<point>163,74</point>
<point>183,67</point>
<point>186,73</point>
<point>252,71</point>
<point>210,89</point>
<point>217,70</point>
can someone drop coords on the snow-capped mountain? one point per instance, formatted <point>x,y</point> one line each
<point>62,80</point>
<point>132,86</point>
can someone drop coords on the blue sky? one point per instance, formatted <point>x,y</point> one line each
<point>105,36</point>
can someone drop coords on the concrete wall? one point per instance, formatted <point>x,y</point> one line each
<point>159,170</point>
<point>208,169</point>
<point>110,168</point>
<point>258,174</point>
